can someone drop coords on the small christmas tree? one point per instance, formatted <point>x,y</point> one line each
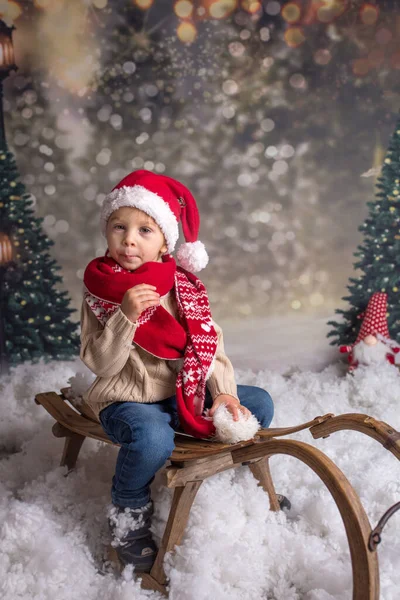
<point>379,256</point>
<point>36,316</point>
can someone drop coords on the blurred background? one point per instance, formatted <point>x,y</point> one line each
<point>275,114</point>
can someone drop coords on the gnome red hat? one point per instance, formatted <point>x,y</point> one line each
<point>168,202</point>
<point>374,322</point>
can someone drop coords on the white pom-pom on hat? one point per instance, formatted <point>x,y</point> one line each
<point>229,431</point>
<point>192,256</point>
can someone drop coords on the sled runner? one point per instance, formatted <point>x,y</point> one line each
<point>193,460</point>
<point>378,430</point>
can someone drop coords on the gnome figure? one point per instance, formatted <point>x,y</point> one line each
<point>373,344</point>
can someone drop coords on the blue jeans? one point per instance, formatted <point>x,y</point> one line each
<point>146,434</point>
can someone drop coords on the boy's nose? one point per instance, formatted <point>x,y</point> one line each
<point>130,240</point>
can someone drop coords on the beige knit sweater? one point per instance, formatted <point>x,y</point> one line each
<point>126,372</point>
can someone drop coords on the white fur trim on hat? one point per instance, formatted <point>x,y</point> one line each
<point>192,256</point>
<point>149,202</point>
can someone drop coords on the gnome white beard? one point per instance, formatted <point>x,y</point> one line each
<point>365,354</point>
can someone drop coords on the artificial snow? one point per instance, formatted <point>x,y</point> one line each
<point>54,535</point>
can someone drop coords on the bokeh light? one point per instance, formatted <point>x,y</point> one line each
<point>291,12</point>
<point>100,3</point>
<point>10,11</point>
<point>251,6</point>
<point>331,10</point>
<point>220,9</point>
<point>216,9</point>
<point>50,5</point>
<point>42,3</point>
<point>186,32</point>
<point>369,14</point>
<point>361,67</point>
<point>294,37</point>
<point>322,56</point>
<point>143,4</point>
<point>183,9</point>
<point>383,36</point>
<point>272,8</point>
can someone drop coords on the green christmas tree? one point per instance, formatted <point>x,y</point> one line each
<point>35,314</point>
<point>379,256</point>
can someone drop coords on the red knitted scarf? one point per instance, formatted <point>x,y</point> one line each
<point>158,332</point>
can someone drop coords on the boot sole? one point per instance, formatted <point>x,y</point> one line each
<point>120,566</point>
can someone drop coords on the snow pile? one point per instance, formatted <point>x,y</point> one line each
<point>54,537</point>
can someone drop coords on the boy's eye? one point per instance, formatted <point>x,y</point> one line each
<point>144,229</point>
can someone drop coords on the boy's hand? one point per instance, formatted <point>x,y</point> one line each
<point>137,299</point>
<point>232,404</point>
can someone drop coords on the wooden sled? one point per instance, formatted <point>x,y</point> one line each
<point>378,430</point>
<point>192,461</point>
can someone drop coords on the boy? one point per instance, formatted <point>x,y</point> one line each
<point>148,335</point>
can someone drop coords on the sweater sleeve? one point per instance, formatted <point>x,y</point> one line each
<point>222,379</point>
<point>105,350</point>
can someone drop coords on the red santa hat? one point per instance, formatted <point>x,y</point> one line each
<point>374,322</point>
<point>168,202</point>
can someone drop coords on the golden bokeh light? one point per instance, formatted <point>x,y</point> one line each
<point>295,304</point>
<point>186,32</point>
<point>10,11</point>
<point>294,37</point>
<point>143,4</point>
<point>251,6</point>
<point>369,14</point>
<point>331,10</point>
<point>100,3</point>
<point>42,3</point>
<point>220,9</point>
<point>50,5</point>
<point>183,9</point>
<point>291,12</point>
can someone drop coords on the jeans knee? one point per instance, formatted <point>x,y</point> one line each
<point>265,407</point>
<point>155,443</point>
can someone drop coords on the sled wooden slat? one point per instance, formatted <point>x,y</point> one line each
<point>261,471</point>
<point>175,528</point>
<point>378,430</point>
<point>69,418</point>
<point>193,460</point>
<point>178,476</point>
<point>280,431</point>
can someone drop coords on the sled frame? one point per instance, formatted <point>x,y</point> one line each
<point>192,461</point>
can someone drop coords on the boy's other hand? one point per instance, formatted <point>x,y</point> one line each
<point>232,404</point>
<point>137,299</point>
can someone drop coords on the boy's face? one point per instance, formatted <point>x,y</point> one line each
<point>134,238</point>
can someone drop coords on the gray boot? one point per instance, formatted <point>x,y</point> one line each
<point>131,536</point>
<point>284,503</point>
